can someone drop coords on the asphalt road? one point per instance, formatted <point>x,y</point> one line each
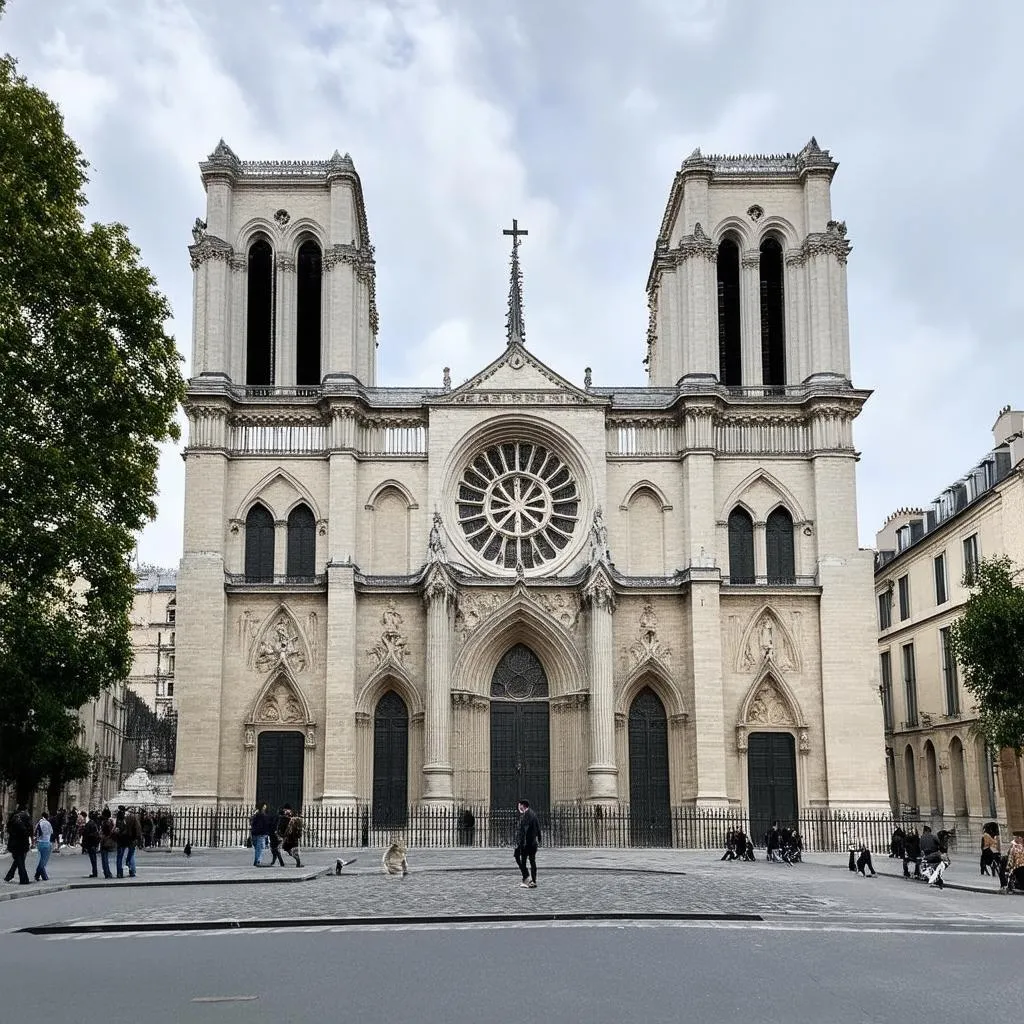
<point>776,971</point>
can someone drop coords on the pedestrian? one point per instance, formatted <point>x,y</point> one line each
<point>863,860</point>
<point>935,860</point>
<point>108,841</point>
<point>91,840</point>
<point>121,835</point>
<point>730,846</point>
<point>774,840</point>
<point>292,835</point>
<point>147,829</point>
<point>131,829</point>
<point>44,846</point>
<point>259,830</point>
<point>990,848</point>
<point>58,824</point>
<point>912,854</point>
<point>19,841</point>
<point>1011,867</point>
<point>527,841</point>
<point>276,832</point>
<point>394,862</point>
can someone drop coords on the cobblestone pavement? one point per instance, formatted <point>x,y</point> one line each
<point>469,882</point>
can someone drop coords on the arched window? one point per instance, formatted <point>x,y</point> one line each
<point>778,535</point>
<point>390,762</point>
<point>730,363</point>
<point>741,547</point>
<point>646,534</point>
<point>259,349</point>
<point>301,545</point>
<point>259,545</point>
<point>307,316</point>
<point>773,315</point>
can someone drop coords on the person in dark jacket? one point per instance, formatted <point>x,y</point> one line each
<point>19,840</point>
<point>912,853</point>
<point>527,841</point>
<point>91,840</point>
<point>932,855</point>
<point>108,841</point>
<point>259,829</point>
<point>274,837</point>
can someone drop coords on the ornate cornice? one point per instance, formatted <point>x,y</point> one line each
<point>209,247</point>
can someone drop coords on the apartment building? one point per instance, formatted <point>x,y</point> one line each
<point>936,762</point>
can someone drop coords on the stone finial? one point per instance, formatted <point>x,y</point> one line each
<point>224,154</point>
<point>446,379</point>
<point>198,230</point>
<point>587,378</point>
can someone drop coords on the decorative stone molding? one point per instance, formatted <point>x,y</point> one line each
<point>767,641</point>
<point>570,701</point>
<point>804,742</point>
<point>695,246</point>
<point>209,248</point>
<point>646,646</point>
<point>769,707</point>
<point>364,720</point>
<point>285,263</point>
<point>741,739</point>
<point>562,607</point>
<point>755,212</point>
<point>250,738</point>
<point>678,720</point>
<point>362,262</point>
<point>472,609</point>
<point>750,259</point>
<point>310,738</point>
<point>278,645</point>
<point>598,591</point>
<point>439,586</point>
<point>392,647</point>
<point>280,706</point>
<point>282,217</point>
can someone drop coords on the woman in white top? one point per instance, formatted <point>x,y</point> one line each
<point>44,846</point>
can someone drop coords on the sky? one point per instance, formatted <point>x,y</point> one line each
<point>573,116</point>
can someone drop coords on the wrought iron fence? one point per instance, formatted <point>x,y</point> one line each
<point>621,827</point>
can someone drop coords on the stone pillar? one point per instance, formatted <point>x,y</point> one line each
<point>285,348</point>
<point>439,595</point>
<point>603,771</point>
<point>339,698</point>
<point>750,317</point>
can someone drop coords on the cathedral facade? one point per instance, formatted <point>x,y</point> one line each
<point>522,585</point>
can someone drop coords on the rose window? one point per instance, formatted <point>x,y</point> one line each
<point>518,504</point>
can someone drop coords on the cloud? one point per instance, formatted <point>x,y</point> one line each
<point>461,114</point>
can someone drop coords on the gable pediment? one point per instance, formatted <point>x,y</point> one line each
<point>517,377</point>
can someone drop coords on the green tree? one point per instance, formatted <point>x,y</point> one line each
<point>89,386</point>
<point>988,641</point>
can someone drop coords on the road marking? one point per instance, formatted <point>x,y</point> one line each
<point>225,999</point>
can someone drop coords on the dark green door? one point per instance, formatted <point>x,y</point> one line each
<point>390,762</point>
<point>771,780</point>
<point>520,755</point>
<point>650,815</point>
<point>279,759</point>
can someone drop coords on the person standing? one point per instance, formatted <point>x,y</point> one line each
<point>276,831</point>
<point>1011,866</point>
<point>292,835</point>
<point>259,829</point>
<point>19,840</point>
<point>44,846</point>
<point>527,841</point>
<point>132,829</point>
<point>91,840</point>
<point>108,841</point>
<point>990,853</point>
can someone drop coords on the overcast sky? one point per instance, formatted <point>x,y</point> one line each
<point>573,117</point>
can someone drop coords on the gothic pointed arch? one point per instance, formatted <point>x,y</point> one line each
<point>740,526</point>
<point>778,228</point>
<point>308,313</point>
<point>380,681</point>
<point>770,702</point>
<point>729,304</point>
<point>766,634</point>
<point>645,485</point>
<point>261,300</point>
<point>772,279</point>
<point>280,491</point>
<point>279,643</point>
<point>735,227</point>
<point>390,484</point>
<point>258,227</point>
<point>259,543</point>
<point>301,550</point>
<point>280,702</point>
<point>651,675</point>
<point>745,492</point>
<point>520,620</point>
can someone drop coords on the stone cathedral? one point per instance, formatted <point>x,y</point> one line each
<point>523,585</point>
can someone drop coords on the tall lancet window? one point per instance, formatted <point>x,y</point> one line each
<point>259,348</point>
<point>730,364</point>
<point>307,317</point>
<point>773,315</point>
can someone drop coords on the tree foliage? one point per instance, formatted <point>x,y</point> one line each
<point>89,385</point>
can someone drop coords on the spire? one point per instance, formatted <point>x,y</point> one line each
<point>515,330</point>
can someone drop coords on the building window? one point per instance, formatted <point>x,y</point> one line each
<point>941,596</point>
<point>161,688</point>
<point>308,314</point>
<point>730,361</point>
<point>886,690</point>
<point>773,315</point>
<point>971,558</point>
<point>910,685</point>
<point>170,687</point>
<point>259,349</point>
<point>301,545</point>
<point>171,613</point>
<point>741,547</point>
<point>885,609</point>
<point>170,664</point>
<point>259,545</point>
<point>950,679</point>
<point>778,535</point>
<point>904,590</point>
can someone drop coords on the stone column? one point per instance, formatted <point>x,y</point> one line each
<point>603,771</point>
<point>339,695</point>
<point>750,317</point>
<point>439,595</point>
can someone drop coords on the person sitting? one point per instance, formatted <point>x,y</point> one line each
<point>896,843</point>
<point>912,854</point>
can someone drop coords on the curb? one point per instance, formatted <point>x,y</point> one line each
<point>960,886</point>
<point>356,922</point>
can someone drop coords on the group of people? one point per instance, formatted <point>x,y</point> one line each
<point>278,831</point>
<point>104,837</point>
<point>783,845</point>
<point>738,846</point>
<point>1009,866</point>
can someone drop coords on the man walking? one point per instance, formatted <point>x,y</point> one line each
<point>527,842</point>
<point>259,828</point>
<point>19,840</point>
<point>292,835</point>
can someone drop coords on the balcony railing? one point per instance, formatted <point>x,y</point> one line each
<point>771,581</point>
<point>276,391</point>
<point>240,579</point>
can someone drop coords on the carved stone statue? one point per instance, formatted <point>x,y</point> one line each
<point>199,230</point>
<point>280,648</point>
<point>598,538</point>
<point>446,379</point>
<point>767,638</point>
<point>392,645</point>
<point>435,543</point>
<point>587,378</point>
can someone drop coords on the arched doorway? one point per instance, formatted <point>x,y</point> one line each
<point>390,762</point>
<point>932,772</point>
<point>279,768</point>
<point>910,771</point>
<point>771,781</point>
<point>958,777</point>
<point>520,747</point>
<point>650,813</point>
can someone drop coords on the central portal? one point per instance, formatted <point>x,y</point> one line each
<point>520,747</point>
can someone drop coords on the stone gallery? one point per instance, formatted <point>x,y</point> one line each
<point>524,585</point>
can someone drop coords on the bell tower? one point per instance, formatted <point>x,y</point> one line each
<point>284,274</point>
<point>747,288</point>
